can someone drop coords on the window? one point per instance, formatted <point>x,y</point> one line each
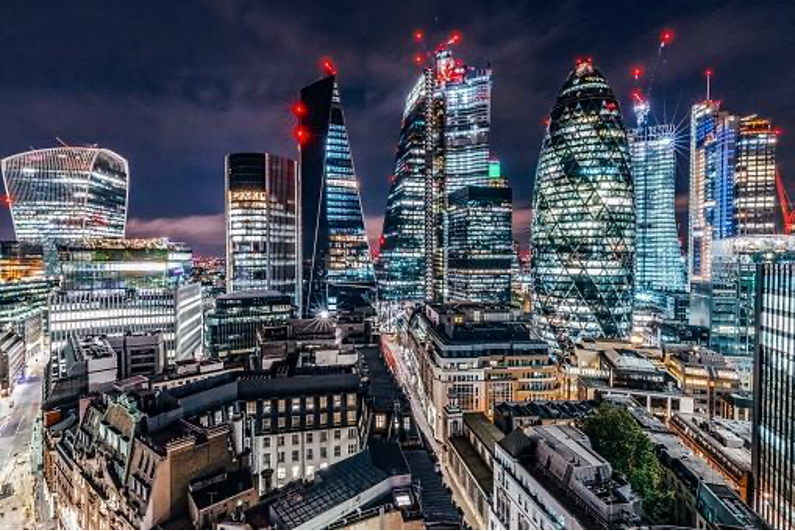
<point>337,418</point>
<point>380,421</point>
<point>310,403</point>
<point>266,407</point>
<point>281,457</point>
<point>266,460</point>
<point>351,449</point>
<point>323,419</point>
<point>351,400</point>
<point>309,420</point>
<point>309,437</point>
<point>295,456</point>
<point>337,401</point>
<point>281,440</point>
<point>296,404</point>
<point>281,472</point>
<point>282,422</point>
<point>251,407</point>
<point>323,436</point>
<point>323,402</point>
<point>323,452</point>
<point>266,423</point>
<point>296,439</point>
<point>266,441</point>
<point>310,454</point>
<point>337,435</point>
<point>337,451</point>
<point>281,406</point>
<point>351,433</point>
<point>351,417</point>
<point>296,421</point>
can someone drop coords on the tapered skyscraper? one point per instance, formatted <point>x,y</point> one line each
<point>583,231</point>
<point>337,265</point>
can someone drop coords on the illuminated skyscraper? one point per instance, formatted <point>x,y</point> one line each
<point>774,392</point>
<point>480,250</point>
<point>443,147</point>
<point>337,265</point>
<point>755,178</point>
<point>401,264</point>
<point>262,224</point>
<point>67,193</point>
<point>583,231</point>
<point>659,264</point>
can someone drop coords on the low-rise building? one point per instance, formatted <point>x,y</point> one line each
<point>550,478</point>
<point>12,360</point>
<point>476,356</point>
<point>701,373</point>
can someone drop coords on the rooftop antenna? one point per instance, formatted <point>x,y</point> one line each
<point>64,144</point>
<point>708,74</point>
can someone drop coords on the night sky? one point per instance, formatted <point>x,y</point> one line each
<point>175,85</point>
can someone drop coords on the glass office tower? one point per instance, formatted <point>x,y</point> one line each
<point>774,396</point>
<point>401,263</point>
<point>262,224</point>
<point>659,265</point>
<point>583,229</point>
<point>112,287</point>
<point>755,177</point>
<point>480,251</point>
<point>67,193</point>
<point>338,269</point>
<point>443,147</point>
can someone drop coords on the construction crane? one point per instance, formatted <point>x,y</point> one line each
<point>640,101</point>
<point>786,206</point>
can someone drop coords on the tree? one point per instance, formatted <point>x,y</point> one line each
<point>616,437</point>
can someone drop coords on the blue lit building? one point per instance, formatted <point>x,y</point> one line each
<point>659,264</point>
<point>583,230</point>
<point>338,269</point>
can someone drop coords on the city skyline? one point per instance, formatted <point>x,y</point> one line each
<point>174,107</point>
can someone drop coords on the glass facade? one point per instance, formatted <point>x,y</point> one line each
<point>233,324</point>
<point>401,263</point>
<point>734,278</point>
<point>262,223</point>
<point>480,251</point>
<point>443,147</point>
<point>67,193</point>
<point>755,177</point>
<point>338,268</point>
<point>111,287</point>
<point>24,284</point>
<point>659,264</point>
<point>583,229</point>
<point>774,390</point>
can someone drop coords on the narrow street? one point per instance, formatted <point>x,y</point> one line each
<point>407,379</point>
<point>17,425</point>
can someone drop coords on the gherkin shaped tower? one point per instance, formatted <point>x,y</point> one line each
<point>583,229</point>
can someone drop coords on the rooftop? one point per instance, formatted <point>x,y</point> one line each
<point>220,487</point>
<point>339,483</point>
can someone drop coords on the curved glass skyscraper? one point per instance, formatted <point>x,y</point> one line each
<point>583,232</point>
<point>67,193</point>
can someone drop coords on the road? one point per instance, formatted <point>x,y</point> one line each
<point>16,446</point>
<point>407,380</point>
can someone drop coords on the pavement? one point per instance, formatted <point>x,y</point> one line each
<point>17,444</point>
<point>407,379</point>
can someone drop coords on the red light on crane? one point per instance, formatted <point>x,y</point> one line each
<point>708,72</point>
<point>419,35</point>
<point>418,59</point>
<point>666,37</point>
<point>328,67</point>
<point>301,134</point>
<point>455,38</point>
<point>637,72</point>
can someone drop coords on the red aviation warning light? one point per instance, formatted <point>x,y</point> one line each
<point>455,38</point>
<point>7,199</point>
<point>637,72</point>
<point>419,59</point>
<point>419,35</point>
<point>328,66</point>
<point>301,134</point>
<point>298,109</point>
<point>666,37</point>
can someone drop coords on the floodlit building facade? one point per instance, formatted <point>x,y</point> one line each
<point>755,177</point>
<point>67,193</point>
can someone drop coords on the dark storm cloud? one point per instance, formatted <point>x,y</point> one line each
<point>174,86</point>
